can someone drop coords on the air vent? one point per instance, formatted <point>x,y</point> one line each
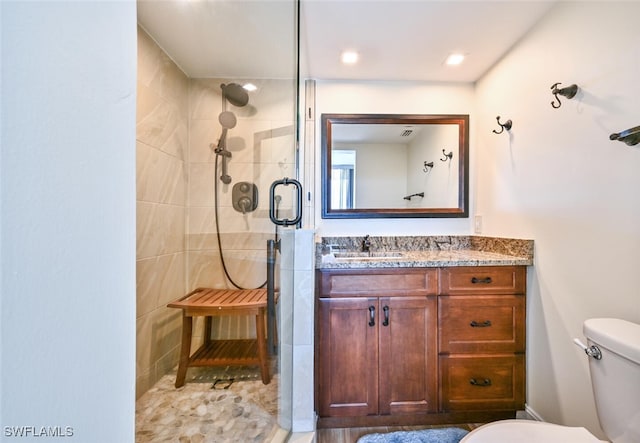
<point>406,133</point>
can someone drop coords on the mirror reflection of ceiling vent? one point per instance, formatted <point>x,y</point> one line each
<point>406,133</point>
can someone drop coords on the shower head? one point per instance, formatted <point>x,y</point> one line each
<point>227,119</point>
<point>235,94</point>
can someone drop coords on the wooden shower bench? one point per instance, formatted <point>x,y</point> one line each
<point>206,302</point>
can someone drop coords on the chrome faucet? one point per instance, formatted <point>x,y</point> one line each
<point>366,244</point>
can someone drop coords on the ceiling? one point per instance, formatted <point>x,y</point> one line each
<point>396,39</point>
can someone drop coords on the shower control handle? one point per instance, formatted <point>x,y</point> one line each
<point>244,204</point>
<point>244,197</point>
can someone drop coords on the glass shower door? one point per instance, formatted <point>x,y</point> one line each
<point>213,136</point>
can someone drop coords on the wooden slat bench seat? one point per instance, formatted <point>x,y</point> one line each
<point>206,302</point>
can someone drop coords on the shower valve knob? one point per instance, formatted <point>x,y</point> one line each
<point>244,197</point>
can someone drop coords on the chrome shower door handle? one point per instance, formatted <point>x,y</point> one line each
<point>272,203</point>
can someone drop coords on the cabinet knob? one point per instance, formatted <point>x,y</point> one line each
<point>482,383</point>
<point>476,280</point>
<point>372,315</point>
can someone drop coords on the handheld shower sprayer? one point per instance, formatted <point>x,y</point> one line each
<point>228,121</point>
<point>237,96</point>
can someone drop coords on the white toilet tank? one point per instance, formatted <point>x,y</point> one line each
<point>616,376</point>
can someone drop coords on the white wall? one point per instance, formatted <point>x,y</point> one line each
<point>68,219</point>
<point>558,179</point>
<point>440,183</point>
<point>348,97</point>
<point>380,178</point>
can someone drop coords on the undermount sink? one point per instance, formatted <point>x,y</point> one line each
<point>373,255</point>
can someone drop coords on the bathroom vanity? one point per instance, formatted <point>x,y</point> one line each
<point>420,335</point>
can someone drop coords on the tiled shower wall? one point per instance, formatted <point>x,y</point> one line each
<point>161,159</point>
<point>177,246</point>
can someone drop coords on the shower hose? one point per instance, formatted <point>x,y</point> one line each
<point>222,260</point>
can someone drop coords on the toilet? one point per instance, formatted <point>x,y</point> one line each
<point>613,347</point>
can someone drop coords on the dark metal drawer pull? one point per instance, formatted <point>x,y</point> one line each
<point>372,315</point>
<point>484,324</point>
<point>483,383</point>
<point>386,316</point>
<point>486,280</point>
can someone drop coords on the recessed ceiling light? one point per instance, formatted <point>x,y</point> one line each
<point>454,59</point>
<point>250,87</point>
<point>349,57</point>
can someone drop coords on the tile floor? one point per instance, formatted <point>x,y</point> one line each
<point>209,409</point>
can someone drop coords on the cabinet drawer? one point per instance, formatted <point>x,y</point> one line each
<point>483,280</point>
<point>482,383</point>
<point>368,282</point>
<point>481,324</point>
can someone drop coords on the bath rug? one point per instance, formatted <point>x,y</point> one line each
<point>440,435</point>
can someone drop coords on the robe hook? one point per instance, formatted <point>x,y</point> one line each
<point>568,92</point>
<point>507,125</point>
<point>448,156</point>
<point>427,166</point>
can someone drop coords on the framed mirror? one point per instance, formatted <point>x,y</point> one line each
<point>394,165</point>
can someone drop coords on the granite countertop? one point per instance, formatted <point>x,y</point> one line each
<point>420,252</point>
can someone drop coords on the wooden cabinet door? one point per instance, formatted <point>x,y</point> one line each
<point>348,353</point>
<point>408,355</point>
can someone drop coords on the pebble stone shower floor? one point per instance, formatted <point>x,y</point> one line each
<point>209,409</point>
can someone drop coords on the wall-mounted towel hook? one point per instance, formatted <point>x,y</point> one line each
<point>506,125</point>
<point>448,156</point>
<point>630,137</point>
<point>427,166</point>
<point>569,92</point>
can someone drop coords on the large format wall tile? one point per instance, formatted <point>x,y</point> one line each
<point>158,334</point>
<point>159,123</point>
<point>157,71</point>
<point>202,135</point>
<point>161,279</point>
<point>161,179</point>
<point>247,268</point>
<point>160,229</point>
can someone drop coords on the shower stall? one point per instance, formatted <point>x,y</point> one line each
<point>209,151</point>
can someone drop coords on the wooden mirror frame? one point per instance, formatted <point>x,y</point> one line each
<point>461,211</point>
